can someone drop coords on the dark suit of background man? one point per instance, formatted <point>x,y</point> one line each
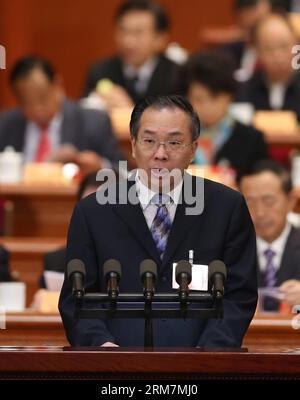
<point>48,127</point>
<point>138,69</point>
<point>267,189</point>
<point>164,132</point>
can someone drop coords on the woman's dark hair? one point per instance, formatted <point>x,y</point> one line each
<point>212,69</point>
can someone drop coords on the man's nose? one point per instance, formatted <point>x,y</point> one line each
<point>161,153</point>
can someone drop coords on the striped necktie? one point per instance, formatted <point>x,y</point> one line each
<point>270,272</point>
<point>162,223</point>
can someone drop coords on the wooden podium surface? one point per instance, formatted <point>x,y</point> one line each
<point>97,363</point>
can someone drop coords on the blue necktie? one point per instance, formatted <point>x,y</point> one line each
<point>270,272</point>
<point>161,224</point>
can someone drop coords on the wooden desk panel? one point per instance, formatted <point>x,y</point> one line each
<point>27,259</point>
<point>41,211</point>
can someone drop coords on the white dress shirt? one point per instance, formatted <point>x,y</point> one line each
<point>145,196</point>
<point>143,74</point>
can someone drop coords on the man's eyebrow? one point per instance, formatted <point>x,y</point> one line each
<point>174,133</point>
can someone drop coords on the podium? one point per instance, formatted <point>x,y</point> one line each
<point>117,363</point>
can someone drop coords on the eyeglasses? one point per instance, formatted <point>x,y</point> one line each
<point>170,145</point>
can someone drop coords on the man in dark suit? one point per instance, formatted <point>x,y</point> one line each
<point>139,69</point>
<point>56,260</point>
<point>187,215</point>
<point>268,191</point>
<point>49,127</point>
<point>276,85</point>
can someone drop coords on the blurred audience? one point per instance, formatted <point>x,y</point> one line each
<point>247,14</point>
<point>139,68</point>
<point>47,126</point>
<point>276,85</point>
<point>208,82</point>
<point>267,188</point>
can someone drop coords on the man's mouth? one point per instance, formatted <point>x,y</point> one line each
<point>159,172</point>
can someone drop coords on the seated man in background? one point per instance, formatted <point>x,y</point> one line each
<point>247,14</point>
<point>48,127</point>
<point>209,84</point>
<point>267,189</point>
<point>139,69</point>
<point>276,84</point>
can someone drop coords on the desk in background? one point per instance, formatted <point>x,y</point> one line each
<point>27,259</point>
<point>39,210</point>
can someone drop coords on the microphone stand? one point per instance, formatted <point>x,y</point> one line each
<point>148,333</point>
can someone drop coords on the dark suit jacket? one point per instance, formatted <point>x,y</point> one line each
<point>53,261</point>
<point>245,146</point>
<point>162,81</point>
<point>100,232</point>
<point>4,265</point>
<point>255,91</point>
<point>290,262</point>
<point>85,129</point>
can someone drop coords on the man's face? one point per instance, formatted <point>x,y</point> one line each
<point>168,124</point>
<point>274,43</point>
<point>210,107</point>
<point>268,204</point>
<point>38,97</point>
<point>137,39</point>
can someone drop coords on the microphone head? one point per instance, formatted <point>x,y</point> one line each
<point>185,267</point>
<point>217,266</point>
<point>111,266</point>
<point>148,266</point>
<point>75,265</point>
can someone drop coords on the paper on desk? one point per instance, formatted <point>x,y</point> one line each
<point>273,292</point>
<point>54,280</point>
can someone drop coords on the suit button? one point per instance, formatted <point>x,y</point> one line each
<point>164,279</point>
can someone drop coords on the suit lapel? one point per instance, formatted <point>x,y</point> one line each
<point>182,222</point>
<point>287,265</point>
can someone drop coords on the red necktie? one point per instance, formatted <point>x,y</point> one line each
<point>44,145</point>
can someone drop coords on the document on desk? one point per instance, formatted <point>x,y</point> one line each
<point>54,280</point>
<point>273,292</point>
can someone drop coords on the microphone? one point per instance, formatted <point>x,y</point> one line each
<point>76,274</point>
<point>217,276</point>
<point>148,274</point>
<point>112,274</point>
<point>183,274</point>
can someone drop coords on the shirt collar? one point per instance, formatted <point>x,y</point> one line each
<point>54,123</point>
<point>277,245</point>
<point>144,72</point>
<point>145,194</point>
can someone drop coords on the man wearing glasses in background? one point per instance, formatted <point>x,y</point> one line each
<point>164,132</point>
